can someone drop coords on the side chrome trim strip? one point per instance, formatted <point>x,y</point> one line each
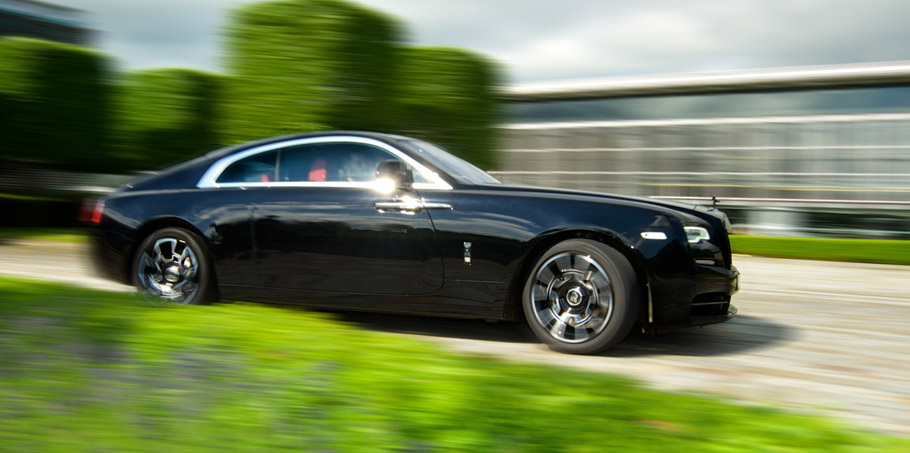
<point>437,206</point>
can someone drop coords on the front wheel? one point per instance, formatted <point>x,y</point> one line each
<point>171,264</point>
<point>581,297</point>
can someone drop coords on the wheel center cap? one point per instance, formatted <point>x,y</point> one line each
<point>575,297</point>
<point>172,274</point>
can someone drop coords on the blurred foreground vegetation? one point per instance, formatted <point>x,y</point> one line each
<point>292,66</point>
<point>94,371</point>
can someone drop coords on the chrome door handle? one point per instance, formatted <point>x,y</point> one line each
<point>409,206</point>
<point>399,206</point>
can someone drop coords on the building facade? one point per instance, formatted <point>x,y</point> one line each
<point>44,21</point>
<point>794,151</point>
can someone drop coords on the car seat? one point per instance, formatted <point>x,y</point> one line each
<point>318,170</point>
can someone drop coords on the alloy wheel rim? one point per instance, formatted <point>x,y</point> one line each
<point>168,270</point>
<point>572,297</point>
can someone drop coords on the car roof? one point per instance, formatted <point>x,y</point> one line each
<point>231,149</point>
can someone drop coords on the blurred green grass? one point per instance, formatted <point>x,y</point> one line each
<point>85,370</point>
<point>854,250</point>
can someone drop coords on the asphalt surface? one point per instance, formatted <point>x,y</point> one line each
<point>816,337</point>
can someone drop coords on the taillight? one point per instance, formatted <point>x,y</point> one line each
<point>91,211</point>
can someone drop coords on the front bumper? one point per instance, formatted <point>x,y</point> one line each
<point>704,299</point>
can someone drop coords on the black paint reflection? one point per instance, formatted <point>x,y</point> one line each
<point>333,239</point>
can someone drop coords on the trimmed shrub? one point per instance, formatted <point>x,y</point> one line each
<point>301,65</point>
<point>57,98</point>
<point>165,116</point>
<point>448,96</point>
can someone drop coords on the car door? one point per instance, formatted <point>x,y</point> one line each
<point>319,224</point>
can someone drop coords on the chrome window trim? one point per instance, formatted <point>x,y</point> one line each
<point>208,180</point>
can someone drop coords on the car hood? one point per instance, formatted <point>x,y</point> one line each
<point>703,212</point>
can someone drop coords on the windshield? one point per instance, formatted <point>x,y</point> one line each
<point>461,170</point>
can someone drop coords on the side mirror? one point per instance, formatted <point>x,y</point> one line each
<point>396,171</point>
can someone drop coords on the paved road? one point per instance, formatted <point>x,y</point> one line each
<point>811,336</point>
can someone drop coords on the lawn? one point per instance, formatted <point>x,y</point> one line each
<point>856,250</point>
<point>84,370</point>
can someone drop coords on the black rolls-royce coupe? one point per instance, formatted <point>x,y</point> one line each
<point>369,221</point>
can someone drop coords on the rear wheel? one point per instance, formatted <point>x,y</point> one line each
<point>581,297</point>
<point>171,265</point>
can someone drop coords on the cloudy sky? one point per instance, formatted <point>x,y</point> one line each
<point>539,40</point>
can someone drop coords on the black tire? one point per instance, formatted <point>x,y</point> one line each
<point>172,264</point>
<point>581,297</point>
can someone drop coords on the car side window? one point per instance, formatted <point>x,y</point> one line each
<point>306,163</point>
<point>257,168</point>
<point>331,162</point>
<point>312,162</point>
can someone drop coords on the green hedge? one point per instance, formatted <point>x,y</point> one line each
<point>855,250</point>
<point>57,102</point>
<point>301,65</point>
<point>447,96</point>
<point>165,116</point>
<point>295,66</point>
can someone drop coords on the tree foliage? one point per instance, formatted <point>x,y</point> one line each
<point>57,102</point>
<point>167,115</point>
<point>299,65</point>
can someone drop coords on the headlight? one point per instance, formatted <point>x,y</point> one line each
<point>696,234</point>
